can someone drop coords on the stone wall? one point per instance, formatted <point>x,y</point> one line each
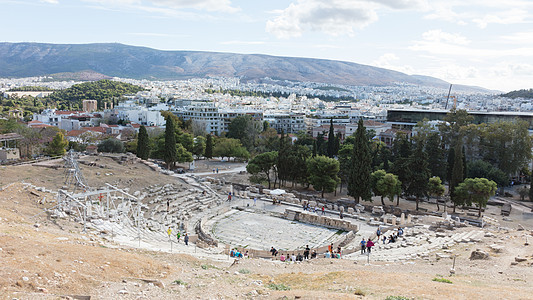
<point>203,236</point>
<point>314,219</point>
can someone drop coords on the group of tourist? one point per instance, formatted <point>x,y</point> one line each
<point>366,246</point>
<point>392,238</point>
<point>315,209</point>
<point>333,253</point>
<point>307,254</point>
<point>178,236</point>
<point>237,254</point>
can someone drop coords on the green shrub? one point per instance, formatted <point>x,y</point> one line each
<point>179,282</point>
<point>437,279</point>
<point>278,287</point>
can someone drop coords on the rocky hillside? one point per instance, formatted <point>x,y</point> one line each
<point>34,59</point>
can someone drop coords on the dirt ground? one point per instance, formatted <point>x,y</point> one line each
<point>44,258</point>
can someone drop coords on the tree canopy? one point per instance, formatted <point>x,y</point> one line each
<point>227,147</point>
<point>262,165</point>
<point>111,145</point>
<point>323,173</point>
<point>57,146</point>
<point>476,190</point>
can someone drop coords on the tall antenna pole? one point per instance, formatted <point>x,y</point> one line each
<point>447,98</point>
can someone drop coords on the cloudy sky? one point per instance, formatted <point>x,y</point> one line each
<point>488,43</point>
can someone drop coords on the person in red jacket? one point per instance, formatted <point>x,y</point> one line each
<point>369,245</point>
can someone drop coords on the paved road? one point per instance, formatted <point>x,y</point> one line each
<point>234,170</point>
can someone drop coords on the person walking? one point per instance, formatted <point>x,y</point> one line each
<point>369,246</point>
<point>255,201</point>
<point>168,205</point>
<point>363,246</point>
<point>323,210</point>
<point>186,239</point>
<point>178,235</point>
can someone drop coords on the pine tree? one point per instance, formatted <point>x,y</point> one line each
<point>457,174</point>
<point>209,147</point>
<point>359,185</point>
<point>283,164</point>
<point>531,189</point>
<point>143,144</point>
<point>170,153</point>
<point>331,140</point>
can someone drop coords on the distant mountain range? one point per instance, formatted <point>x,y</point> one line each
<point>97,61</point>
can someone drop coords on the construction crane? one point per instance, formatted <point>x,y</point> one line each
<point>453,97</point>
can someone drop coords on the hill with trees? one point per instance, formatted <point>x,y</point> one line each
<point>526,94</point>
<point>102,91</point>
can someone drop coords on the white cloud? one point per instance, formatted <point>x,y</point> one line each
<point>157,34</point>
<point>335,17</point>
<point>50,1</point>
<point>209,5</point>
<point>442,43</point>
<point>206,5</point>
<point>505,18</point>
<point>438,36</point>
<point>480,12</point>
<point>390,60</point>
<point>525,37</point>
<point>326,46</point>
<point>236,42</point>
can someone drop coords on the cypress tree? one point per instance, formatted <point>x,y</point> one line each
<point>359,185</point>
<point>320,144</point>
<point>331,140</point>
<point>209,146</point>
<point>418,173</point>
<point>314,149</point>
<point>457,174</point>
<point>337,143</point>
<point>143,144</point>
<point>449,166</point>
<point>170,153</point>
<point>464,163</point>
<point>436,156</point>
<point>402,152</point>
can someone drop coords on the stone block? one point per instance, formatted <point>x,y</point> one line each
<point>350,210</point>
